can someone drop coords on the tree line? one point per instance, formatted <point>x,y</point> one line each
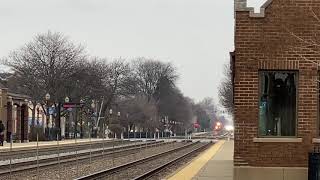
<point>143,90</point>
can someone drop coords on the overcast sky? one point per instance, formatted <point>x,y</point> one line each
<point>195,35</point>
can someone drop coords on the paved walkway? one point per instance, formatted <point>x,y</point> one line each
<point>214,164</point>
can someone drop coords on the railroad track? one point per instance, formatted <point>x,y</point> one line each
<point>32,165</point>
<point>148,166</point>
<point>162,167</point>
<point>26,152</point>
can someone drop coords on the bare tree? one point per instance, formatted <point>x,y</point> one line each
<point>45,65</point>
<point>149,74</point>
<point>87,82</point>
<point>208,105</point>
<point>52,64</point>
<point>202,116</point>
<point>226,91</point>
<point>137,111</point>
<point>117,82</point>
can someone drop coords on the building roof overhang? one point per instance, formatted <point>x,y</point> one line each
<point>14,96</point>
<point>19,97</point>
<point>241,5</point>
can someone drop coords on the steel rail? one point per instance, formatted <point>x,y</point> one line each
<point>29,165</point>
<point>104,173</point>
<point>49,147</point>
<point>19,153</point>
<point>170,163</point>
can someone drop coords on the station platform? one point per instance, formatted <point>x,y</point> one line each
<point>33,144</point>
<point>216,163</point>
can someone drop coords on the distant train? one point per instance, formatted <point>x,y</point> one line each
<point>217,127</point>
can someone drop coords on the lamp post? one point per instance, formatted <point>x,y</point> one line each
<point>58,121</point>
<point>118,121</point>
<point>66,99</point>
<point>128,130</point>
<point>81,119</point>
<point>110,120</point>
<point>67,122</point>
<point>75,133</point>
<point>93,106</point>
<point>47,98</point>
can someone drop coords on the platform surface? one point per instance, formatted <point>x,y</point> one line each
<point>47,143</point>
<point>216,163</point>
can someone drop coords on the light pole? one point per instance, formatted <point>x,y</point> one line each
<point>47,98</point>
<point>110,119</point>
<point>118,121</point>
<point>76,121</point>
<point>66,99</point>
<point>67,123</point>
<point>93,106</point>
<point>81,119</point>
<point>128,130</point>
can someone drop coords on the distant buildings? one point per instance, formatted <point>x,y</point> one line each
<point>14,113</point>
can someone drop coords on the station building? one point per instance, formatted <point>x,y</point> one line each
<point>14,115</point>
<point>276,88</point>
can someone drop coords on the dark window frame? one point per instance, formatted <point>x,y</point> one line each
<point>260,71</point>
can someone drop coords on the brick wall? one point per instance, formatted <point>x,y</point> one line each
<point>285,37</point>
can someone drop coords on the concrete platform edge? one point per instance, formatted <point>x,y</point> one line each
<point>191,169</point>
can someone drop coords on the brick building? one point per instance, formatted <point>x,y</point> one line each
<point>14,115</point>
<point>276,88</point>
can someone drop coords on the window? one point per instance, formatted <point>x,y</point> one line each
<point>277,103</point>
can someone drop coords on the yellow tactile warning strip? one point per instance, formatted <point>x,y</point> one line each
<point>194,167</point>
